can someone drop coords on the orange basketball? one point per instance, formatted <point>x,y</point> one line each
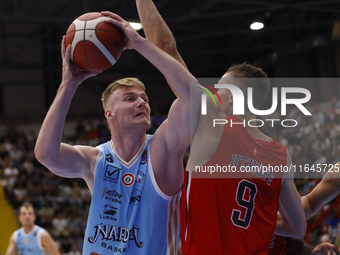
<point>96,45</point>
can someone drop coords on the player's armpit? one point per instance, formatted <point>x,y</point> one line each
<point>293,222</point>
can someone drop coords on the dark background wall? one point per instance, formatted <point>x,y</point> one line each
<point>300,39</point>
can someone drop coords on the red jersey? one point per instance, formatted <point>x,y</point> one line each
<point>278,246</point>
<point>233,215</point>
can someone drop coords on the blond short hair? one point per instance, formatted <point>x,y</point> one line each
<point>126,82</point>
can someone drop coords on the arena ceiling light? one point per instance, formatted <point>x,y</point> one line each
<point>136,25</point>
<point>256,25</point>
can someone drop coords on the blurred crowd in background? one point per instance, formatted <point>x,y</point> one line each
<point>62,205</point>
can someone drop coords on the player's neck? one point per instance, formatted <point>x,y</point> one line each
<point>28,228</point>
<point>127,146</point>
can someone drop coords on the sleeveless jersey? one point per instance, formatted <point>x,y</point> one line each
<point>233,213</point>
<point>129,214</point>
<point>29,244</point>
<point>278,246</point>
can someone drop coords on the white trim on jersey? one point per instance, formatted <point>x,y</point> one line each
<point>39,239</point>
<point>15,236</point>
<point>134,159</point>
<point>154,182</point>
<point>173,224</point>
<point>99,157</point>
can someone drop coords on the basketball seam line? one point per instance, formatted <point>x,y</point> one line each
<point>87,60</point>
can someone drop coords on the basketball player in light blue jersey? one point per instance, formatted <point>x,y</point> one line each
<point>30,239</point>
<point>135,179</point>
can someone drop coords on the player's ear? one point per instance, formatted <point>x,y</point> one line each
<point>109,114</point>
<point>231,97</point>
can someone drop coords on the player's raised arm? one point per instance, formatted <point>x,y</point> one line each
<point>173,137</point>
<point>293,221</point>
<point>63,159</point>
<point>156,30</point>
<point>159,33</point>
<point>177,76</point>
<point>325,191</point>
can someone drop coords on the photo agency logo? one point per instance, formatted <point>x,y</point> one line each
<point>239,104</point>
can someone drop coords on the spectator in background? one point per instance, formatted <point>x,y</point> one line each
<point>74,250</point>
<point>20,194</point>
<point>157,120</point>
<point>10,176</point>
<point>60,225</point>
<point>47,214</point>
<point>92,134</point>
<point>337,239</point>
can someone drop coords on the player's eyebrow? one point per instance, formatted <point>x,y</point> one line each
<point>135,94</point>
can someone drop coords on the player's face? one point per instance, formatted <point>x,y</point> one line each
<point>26,216</point>
<point>129,106</point>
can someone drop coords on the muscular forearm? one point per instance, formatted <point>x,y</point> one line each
<point>307,207</point>
<point>177,76</point>
<point>50,135</point>
<point>156,30</point>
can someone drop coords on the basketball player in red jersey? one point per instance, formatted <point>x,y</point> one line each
<point>324,192</point>
<point>236,213</point>
<point>231,216</point>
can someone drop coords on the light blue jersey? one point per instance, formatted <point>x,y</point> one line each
<point>129,213</point>
<point>29,244</point>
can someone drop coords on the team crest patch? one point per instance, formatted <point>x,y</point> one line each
<point>140,176</point>
<point>128,179</point>
<point>144,157</point>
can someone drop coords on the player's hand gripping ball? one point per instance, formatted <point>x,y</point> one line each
<point>96,45</point>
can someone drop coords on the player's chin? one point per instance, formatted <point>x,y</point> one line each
<point>142,121</point>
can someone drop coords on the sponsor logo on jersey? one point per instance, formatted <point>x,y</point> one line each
<point>109,158</point>
<point>128,179</point>
<point>144,157</point>
<point>108,212</point>
<point>136,197</point>
<point>111,173</point>
<point>112,196</point>
<point>140,176</point>
<point>116,234</point>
